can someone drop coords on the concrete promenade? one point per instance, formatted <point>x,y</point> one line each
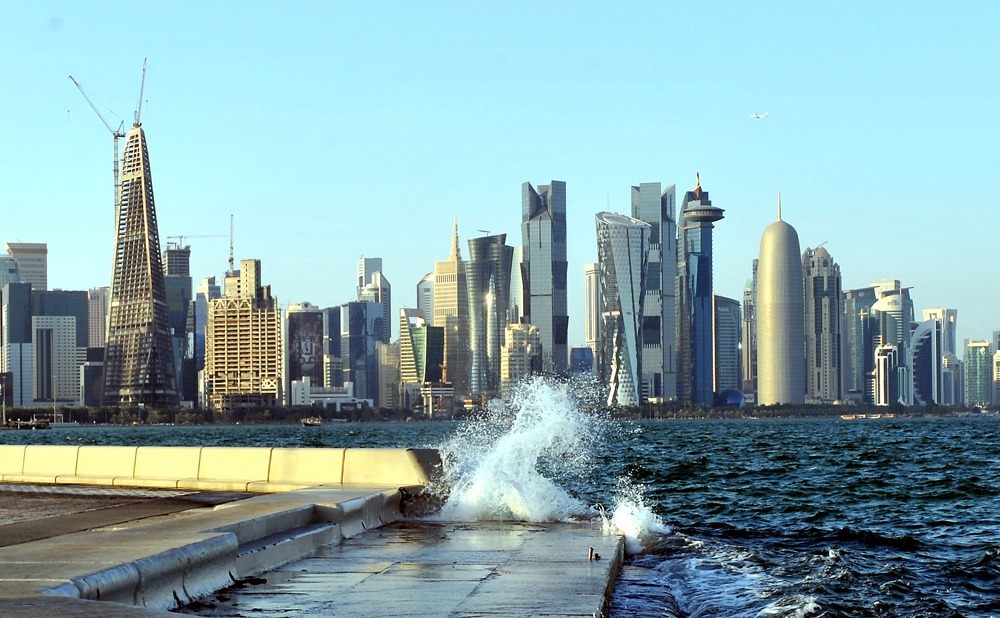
<point>337,547</point>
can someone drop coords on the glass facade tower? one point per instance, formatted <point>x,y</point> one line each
<point>543,269</point>
<point>696,363</point>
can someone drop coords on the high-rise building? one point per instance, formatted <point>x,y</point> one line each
<point>388,375</point>
<point>695,296</point>
<point>592,308</point>
<point>451,312</point>
<point>544,268</point>
<point>886,382</point>
<point>97,316</point>
<point>727,336</point>
<point>375,288</point>
<point>516,313</point>
<point>181,316</point>
<point>949,320</point>
<point>138,359</point>
<point>659,324</point>
<point>781,346</point>
<point>16,357</point>
<point>9,272</point>
<point>859,348</point>
<point>360,330</point>
<point>996,377</point>
<point>622,250</point>
<point>243,346</point>
<point>425,298</point>
<point>421,355</point>
<point>57,358</point>
<point>488,279</point>
<point>206,292</point>
<point>978,374</point>
<point>748,338</point>
<point>925,363</point>
<point>303,338</point>
<point>520,355</point>
<point>952,380</point>
<point>823,323</point>
<point>32,261</point>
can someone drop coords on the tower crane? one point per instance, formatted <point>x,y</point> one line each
<point>180,237</point>
<point>116,133</point>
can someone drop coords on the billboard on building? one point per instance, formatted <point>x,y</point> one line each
<point>305,346</point>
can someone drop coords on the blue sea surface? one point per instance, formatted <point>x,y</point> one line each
<point>890,517</point>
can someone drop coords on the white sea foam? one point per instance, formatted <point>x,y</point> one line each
<point>632,517</point>
<point>504,464</point>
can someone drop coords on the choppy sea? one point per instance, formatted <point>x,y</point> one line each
<point>734,518</point>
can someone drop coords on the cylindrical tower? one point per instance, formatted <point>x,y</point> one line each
<point>781,359</point>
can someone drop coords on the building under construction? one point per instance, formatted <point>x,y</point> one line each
<point>138,361</point>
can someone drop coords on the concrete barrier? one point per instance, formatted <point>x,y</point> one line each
<point>216,468</point>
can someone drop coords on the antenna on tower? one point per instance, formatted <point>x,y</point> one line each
<point>142,88</point>
<point>232,262</point>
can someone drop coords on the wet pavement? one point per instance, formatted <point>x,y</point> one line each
<point>426,568</point>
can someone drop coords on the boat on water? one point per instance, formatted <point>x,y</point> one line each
<point>312,421</point>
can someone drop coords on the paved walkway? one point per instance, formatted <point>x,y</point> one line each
<point>438,569</point>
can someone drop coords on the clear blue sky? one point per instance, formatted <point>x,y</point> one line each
<point>334,130</point>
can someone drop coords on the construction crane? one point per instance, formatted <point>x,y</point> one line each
<point>180,238</point>
<point>116,133</point>
<point>142,88</point>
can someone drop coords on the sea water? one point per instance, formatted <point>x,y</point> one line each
<point>742,518</point>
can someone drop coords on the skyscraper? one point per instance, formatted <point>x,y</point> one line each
<point>138,360</point>
<point>925,363</point>
<point>421,354</point>
<point>181,318</point>
<point>373,287</point>
<point>304,346</point>
<point>622,250</point>
<point>520,355</point>
<point>488,278</point>
<point>859,348</point>
<point>243,344</point>
<point>97,316</point>
<point>9,271</point>
<point>33,262</point>
<point>451,312</point>
<point>696,363</point>
<point>726,335</point>
<point>949,319</point>
<point>425,298</point>
<point>978,374</point>
<point>823,323</point>
<point>16,356</point>
<point>543,270</point>
<point>592,308</point>
<point>780,313</point>
<point>360,330</point>
<point>748,338</point>
<point>659,324</point>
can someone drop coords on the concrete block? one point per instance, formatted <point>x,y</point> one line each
<point>164,462</point>
<point>281,548</point>
<point>101,465</point>
<point>11,459</point>
<point>390,467</point>
<point>180,575</point>
<point>309,466</point>
<point>233,463</point>
<point>43,463</point>
<point>117,584</point>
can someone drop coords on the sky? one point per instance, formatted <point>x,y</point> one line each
<point>335,130</point>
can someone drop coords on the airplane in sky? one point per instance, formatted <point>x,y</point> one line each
<point>764,115</point>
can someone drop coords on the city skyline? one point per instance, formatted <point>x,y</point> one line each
<point>866,153</point>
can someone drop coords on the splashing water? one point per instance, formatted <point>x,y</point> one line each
<point>632,517</point>
<point>505,464</point>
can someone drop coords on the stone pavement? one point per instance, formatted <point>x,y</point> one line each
<point>428,568</point>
